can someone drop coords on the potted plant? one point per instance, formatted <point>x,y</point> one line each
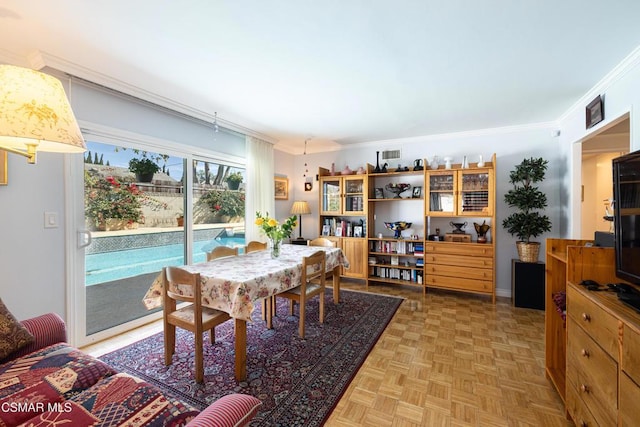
<point>234,180</point>
<point>144,168</point>
<point>527,222</point>
<point>180,219</point>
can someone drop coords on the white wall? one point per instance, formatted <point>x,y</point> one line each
<point>32,258</point>
<point>511,147</point>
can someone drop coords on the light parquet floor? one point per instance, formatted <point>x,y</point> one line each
<point>446,359</point>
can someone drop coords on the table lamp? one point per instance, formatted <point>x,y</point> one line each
<point>300,208</point>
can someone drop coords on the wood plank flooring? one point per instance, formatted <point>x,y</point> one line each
<point>446,359</point>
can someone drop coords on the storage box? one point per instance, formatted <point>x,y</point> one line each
<point>457,237</point>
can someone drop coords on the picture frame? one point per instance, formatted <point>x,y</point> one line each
<point>308,186</point>
<point>281,188</point>
<point>326,230</point>
<point>357,231</point>
<point>3,168</point>
<point>417,192</point>
<point>338,231</point>
<point>379,193</point>
<point>594,113</point>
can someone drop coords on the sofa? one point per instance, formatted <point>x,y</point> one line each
<point>47,382</point>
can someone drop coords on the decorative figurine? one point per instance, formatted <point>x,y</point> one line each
<point>482,230</point>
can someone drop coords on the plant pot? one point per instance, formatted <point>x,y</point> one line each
<point>114,224</point>
<point>144,177</point>
<point>180,221</point>
<point>528,252</point>
<point>233,185</point>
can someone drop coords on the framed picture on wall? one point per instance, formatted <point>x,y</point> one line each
<point>281,188</point>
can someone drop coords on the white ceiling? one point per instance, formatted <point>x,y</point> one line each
<point>340,71</point>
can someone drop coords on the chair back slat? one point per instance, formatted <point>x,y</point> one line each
<point>254,245</point>
<point>221,251</point>
<point>321,241</point>
<point>176,279</point>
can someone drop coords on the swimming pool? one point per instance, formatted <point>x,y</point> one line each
<point>109,266</point>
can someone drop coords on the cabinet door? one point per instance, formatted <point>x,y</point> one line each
<point>331,196</point>
<point>441,190</point>
<point>356,252</point>
<point>354,191</point>
<point>475,198</point>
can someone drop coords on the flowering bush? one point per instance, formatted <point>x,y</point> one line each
<point>108,198</point>
<point>224,202</point>
<point>272,229</point>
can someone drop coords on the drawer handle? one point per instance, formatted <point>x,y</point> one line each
<point>585,388</point>
<point>585,352</point>
<point>586,317</point>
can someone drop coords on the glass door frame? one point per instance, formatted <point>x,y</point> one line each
<point>76,234</point>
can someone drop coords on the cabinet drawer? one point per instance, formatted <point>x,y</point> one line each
<point>629,398</point>
<point>456,271</point>
<point>464,261</point>
<point>465,249</point>
<point>630,362</point>
<point>578,411</point>
<point>459,283</point>
<point>592,374</point>
<point>598,324</point>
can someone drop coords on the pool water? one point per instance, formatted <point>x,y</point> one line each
<point>109,266</point>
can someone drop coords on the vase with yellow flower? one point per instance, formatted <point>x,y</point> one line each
<point>275,231</point>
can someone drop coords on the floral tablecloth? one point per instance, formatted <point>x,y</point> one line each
<point>233,284</point>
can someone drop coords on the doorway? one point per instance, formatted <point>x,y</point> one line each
<point>597,182</point>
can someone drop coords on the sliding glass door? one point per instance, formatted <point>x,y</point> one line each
<point>133,201</point>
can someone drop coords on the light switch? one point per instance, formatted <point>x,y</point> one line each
<point>51,220</point>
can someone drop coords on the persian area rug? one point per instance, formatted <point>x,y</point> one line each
<point>298,381</point>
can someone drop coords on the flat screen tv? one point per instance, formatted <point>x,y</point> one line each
<point>626,194</point>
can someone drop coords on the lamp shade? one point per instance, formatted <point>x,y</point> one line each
<point>300,208</point>
<point>35,111</point>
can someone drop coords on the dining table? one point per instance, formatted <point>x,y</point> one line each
<point>234,284</point>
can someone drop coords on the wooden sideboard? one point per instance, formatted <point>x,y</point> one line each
<point>602,342</point>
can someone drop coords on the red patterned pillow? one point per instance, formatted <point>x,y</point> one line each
<point>232,410</point>
<point>13,336</point>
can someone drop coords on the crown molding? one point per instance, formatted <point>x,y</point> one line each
<point>630,62</point>
<point>40,59</point>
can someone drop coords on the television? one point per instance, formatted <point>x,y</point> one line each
<point>626,195</point>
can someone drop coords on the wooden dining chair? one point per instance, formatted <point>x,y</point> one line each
<point>313,267</point>
<point>254,245</point>
<point>221,251</point>
<point>321,241</point>
<point>193,317</point>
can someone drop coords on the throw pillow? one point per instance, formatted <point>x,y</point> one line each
<point>13,336</point>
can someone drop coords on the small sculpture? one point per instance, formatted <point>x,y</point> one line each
<point>482,230</point>
<point>397,227</point>
<point>458,226</point>
<point>397,188</point>
<point>447,162</point>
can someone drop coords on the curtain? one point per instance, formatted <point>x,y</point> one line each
<point>259,189</point>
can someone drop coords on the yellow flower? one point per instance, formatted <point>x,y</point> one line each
<point>259,221</point>
<point>272,222</point>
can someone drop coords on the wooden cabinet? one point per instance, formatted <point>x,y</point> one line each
<point>460,266</point>
<point>462,192</point>
<point>343,217</point>
<point>601,346</point>
<point>342,195</point>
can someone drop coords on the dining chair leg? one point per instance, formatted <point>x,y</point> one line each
<point>263,307</point>
<point>169,343</point>
<point>212,335</point>
<point>292,303</point>
<point>321,307</point>
<point>301,309</point>
<point>199,358</point>
<point>268,310</point>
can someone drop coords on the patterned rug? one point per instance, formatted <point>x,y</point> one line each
<point>298,381</point>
